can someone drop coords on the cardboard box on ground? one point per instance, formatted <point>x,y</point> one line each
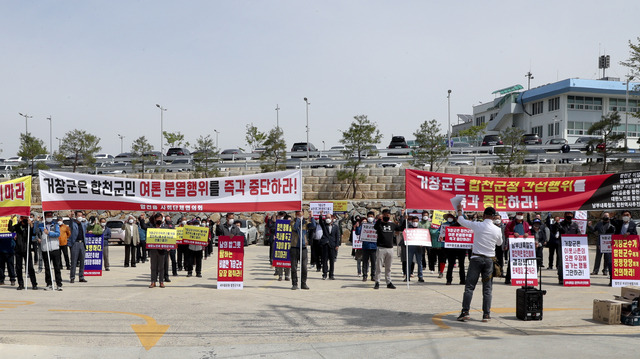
<point>623,310</point>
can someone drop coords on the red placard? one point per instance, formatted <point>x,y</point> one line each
<point>432,190</point>
<point>625,260</point>
<point>458,237</point>
<point>230,262</point>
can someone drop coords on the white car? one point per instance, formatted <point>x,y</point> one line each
<point>250,231</point>
<point>42,158</point>
<point>13,160</point>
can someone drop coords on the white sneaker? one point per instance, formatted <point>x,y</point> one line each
<point>48,287</point>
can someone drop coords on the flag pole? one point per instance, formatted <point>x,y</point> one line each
<point>406,247</point>
<point>26,269</point>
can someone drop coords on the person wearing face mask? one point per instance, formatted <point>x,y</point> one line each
<point>567,226</point>
<point>554,239</point>
<point>497,221</point>
<point>625,226</point>
<point>415,252</point>
<point>518,227</point>
<point>329,242</point>
<point>157,257</point>
<point>141,255</point>
<point>385,230</point>
<point>449,219</point>
<point>65,233</point>
<point>425,223</point>
<point>76,242</point>
<point>22,228</point>
<point>48,233</point>
<point>7,245</point>
<point>298,235</point>
<point>540,237</point>
<point>183,249</point>
<point>604,226</point>
<point>455,254</point>
<point>356,229</point>
<point>106,235</point>
<point>131,241</point>
<point>369,250</point>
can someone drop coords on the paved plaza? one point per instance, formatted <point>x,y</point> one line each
<point>116,315</point>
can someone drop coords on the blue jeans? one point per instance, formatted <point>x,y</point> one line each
<point>416,251</point>
<point>478,266</point>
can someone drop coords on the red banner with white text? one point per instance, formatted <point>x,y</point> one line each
<point>432,190</point>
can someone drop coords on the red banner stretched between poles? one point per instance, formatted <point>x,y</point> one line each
<point>432,190</point>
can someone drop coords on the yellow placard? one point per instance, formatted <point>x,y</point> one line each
<point>15,196</point>
<point>4,224</point>
<point>339,206</point>
<point>161,236</point>
<point>438,217</point>
<point>195,234</point>
<point>179,234</point>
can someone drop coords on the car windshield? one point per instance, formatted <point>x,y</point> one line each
<point>39,157</point>
<point>114,224</point>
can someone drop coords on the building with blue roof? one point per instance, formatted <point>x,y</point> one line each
<point>564,109</point>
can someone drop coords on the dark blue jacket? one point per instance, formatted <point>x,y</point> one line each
<point>332,239</point>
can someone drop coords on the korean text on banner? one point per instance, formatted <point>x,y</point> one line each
<point>609,191</point>
<point>316,207</point>
<point>230,262</point>
<point>282,244</point>
<point>368,233</point>
<point>458,237</point>
<point>417,237</point>
<point>195,235</point>
<point>437,219</point>
<point>15,197</point>
<point>161,238</point>
<point>93,255</point>
<point>625,260</point>
<point>357,243</point>
<point>340,207</point>
<point>523,262</point>
<point>4,224</point>
<point>179,234</point>
<point>605,243</point>
<point>575,260</point>
<point>273,191</point>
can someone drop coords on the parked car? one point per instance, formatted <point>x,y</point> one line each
<point>399,145</point>
<point>586,143</point>
<point>537,155</point>
<point>104,157</point>
<point>117,230</point>
<point>492,140</point>
<point>152,154</point>
<point>250,231</point>
<point>461,148</point>
<point>366,151</point>
<point>70,160</point>
<point>15,160</point>
<point>114,168</point>
<point>124,157</point>
<point>231,154</point>
<point>556,141</point>
<point>259,150</point>
<point>301,149</point>
<point>180,165</point>
<point>42,158</point>
<point>178,151</point>
<point>322,158</point>
<point>6,170</point>
<point>531,139</point>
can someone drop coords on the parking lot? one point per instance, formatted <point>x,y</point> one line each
<point>117,315</point>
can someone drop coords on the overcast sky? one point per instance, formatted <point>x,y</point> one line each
<point>102,66</point>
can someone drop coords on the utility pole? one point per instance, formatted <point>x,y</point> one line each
<point>277,116</point>
<point>50,135</point>
<point>26,117</point>
<point>162,110</point>
<point>307,103</point>
<point>529,77</point>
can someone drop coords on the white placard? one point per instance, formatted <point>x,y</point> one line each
<point>368,233</point>
<point>316,207</point>
<point>522,261</point>
<point>605,243</point>
<point>356,242</point>
<point>417,237</point>
<point>575,260</point>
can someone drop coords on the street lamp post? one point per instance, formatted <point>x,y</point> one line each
<point>162,110</point>
<point>121,143</point>
<point>277,116</point>
<point>59,142</point>
<point>307,105</point>
<point>449,119</point>
<point>217,132</point>
<point>26,117</point>
<point>626,113</point>
<point>50,135</point>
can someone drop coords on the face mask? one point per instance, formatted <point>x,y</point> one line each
<point>84,219</point>
<point>568,219</point>
<point>60,223</point>
<point>102,224</point>
<point>450,220</point>
<point>230,221</point>
<point>425,218</point>
<point>519,217</point>
<point>184,223</point>
<point>370,219</point>
<point>496,222</point>
<point>131,221</point>
<point>49,220</point>
<point>386,219</point>
<point>203,224</point>
<point>536,227</point>
<point>328,220</point>
<point>159,223</point>
<point>415,224</point>
<point>626,218</point>
<point>605,219</point>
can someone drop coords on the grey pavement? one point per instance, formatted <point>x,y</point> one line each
<point>336,318</point>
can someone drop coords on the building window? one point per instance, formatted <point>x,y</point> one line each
<point>537,130</point>
<point>479,120</point>
<point>620,105</point>
<point>550,129</point>
<point>578,127</point>
<point>584,103</point>
<point>554,104</point>
<point>536,108</point>
<point>633,130</point>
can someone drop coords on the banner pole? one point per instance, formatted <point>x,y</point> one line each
<point>300,243</point>
<point>406,247</point>
<point>26,269</point>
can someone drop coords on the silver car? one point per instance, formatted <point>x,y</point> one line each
<point>250,231</point>
<point>117,230</point>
